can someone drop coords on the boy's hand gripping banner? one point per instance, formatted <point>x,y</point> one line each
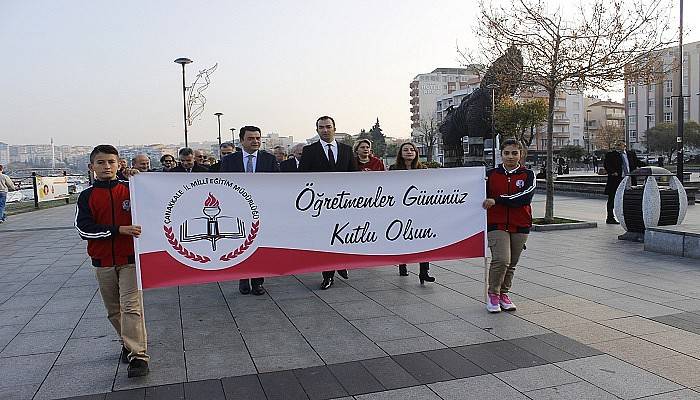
<point>199,228</point>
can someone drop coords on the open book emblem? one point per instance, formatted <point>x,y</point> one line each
<point>212,226</point>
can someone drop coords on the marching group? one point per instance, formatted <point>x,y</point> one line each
<point>103,216</point>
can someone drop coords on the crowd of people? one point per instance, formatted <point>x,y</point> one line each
<point>103,217</point>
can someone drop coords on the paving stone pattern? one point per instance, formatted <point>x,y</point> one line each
<point>597,318</point>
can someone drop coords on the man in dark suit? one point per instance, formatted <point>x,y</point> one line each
<point>187,162</point>
<point>250,160</point>
<point>327,155</point>
<point>291,164</point>
<point>618,164</point>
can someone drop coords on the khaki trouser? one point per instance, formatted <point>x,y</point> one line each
<point>124,304</point>
<point>505,253</point>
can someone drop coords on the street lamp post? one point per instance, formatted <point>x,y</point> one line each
<point>646,135</point>
<point>233,135</point>
<point>183,61</point>
<point>588,133</point>
<point>681,108</point>
<point>493,88</point>
<point>218,120</point>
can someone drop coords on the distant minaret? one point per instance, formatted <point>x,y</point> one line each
<point>53,155</point>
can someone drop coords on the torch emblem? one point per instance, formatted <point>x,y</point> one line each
<point>212,227</point>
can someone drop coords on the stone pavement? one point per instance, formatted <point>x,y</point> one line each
<point>597,318</point>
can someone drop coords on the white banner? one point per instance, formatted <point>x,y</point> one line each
<point>218,226</point>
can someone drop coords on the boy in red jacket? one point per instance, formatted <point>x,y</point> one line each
<point>103,218</point>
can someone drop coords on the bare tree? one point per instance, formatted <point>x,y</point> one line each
<point>429,136</point>
<point>593,47</point>
<point>608,135</point>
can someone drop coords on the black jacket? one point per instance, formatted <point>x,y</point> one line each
<point>313,159</point>
<point>265,162</point>
<point>613,164</point>
<point>289,165</point>
<point>196,168</point>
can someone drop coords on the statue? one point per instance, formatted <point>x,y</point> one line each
<point>472,117</point>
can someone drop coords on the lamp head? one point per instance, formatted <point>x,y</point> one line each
<point>183,61</point>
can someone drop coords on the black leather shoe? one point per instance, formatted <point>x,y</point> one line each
<point>612,222</point>
<point>403,271</point>
<point>137,367</point>
<point>343,273</point>
<point>244,286</point>
<point>124,356</point>
<point>425,278</point>
<point>258,290</point>
<point>327,282</point>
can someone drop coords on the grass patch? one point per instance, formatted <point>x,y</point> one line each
<point>557,220</point>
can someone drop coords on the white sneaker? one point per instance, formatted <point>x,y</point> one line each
<point>493,305</point>
<point>506,304</point>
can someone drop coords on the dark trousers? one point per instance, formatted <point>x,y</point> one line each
<point>611,206</point>
<point>255,281</point>
<point>424,267</point>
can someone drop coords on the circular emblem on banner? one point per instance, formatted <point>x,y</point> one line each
<point>211,227</point>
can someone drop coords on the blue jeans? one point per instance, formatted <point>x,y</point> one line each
<point>3,200</point>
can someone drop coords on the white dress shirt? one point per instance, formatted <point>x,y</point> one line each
<point>334,146</point>
<point>255,160</point>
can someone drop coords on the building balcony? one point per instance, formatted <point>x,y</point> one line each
<point>414,92</point>
<point>414,101</point>
<point>415,117</point>
<point>561,121</point>
<point>414,110</point>
<point>614,116</point>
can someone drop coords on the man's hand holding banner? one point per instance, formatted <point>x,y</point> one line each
<point>200,228</point>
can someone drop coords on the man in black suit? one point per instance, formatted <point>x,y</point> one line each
<point>250,160</point>
<point>618,164</point>
<point>327,155</point>
<point>291,164</point>
<point>187,162</point>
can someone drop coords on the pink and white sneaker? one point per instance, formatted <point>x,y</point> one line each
<point>493,305</point>
<point>506,304</point>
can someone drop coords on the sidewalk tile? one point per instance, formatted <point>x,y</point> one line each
<point>618,377</point>
<point>484,387</point>
<point>243,387</point>
<point>540,377</point>
<point>204,390</point>
<point>422,368</point>
<point>355,379</point>
<point>412,393</point>
<point>389,373</point>
<point>319,383</point>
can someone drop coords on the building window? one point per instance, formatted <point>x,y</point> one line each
<point>577,105</point>
<point>576,118</point>
<point>632,89</point>
<point>668,102</point>
<point>633,135</point>
<point>651,103</point>
<point>668,117</point>
<point>669,86</point>
<point>632,105</point>
<point>651,87</point>
<point>632,120</point>
<point>576,142</point>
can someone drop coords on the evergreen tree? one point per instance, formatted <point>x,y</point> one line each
<point>378,140</point>
<point>364,135</point>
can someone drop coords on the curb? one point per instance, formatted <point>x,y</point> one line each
<point>563,227</point>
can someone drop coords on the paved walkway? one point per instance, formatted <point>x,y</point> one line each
<point>597,318</point>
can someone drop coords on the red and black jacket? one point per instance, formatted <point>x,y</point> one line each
<point>512,191</point>
<point>102,209</point>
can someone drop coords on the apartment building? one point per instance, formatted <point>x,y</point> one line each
<point>600,115</point>
<point>649,103</point>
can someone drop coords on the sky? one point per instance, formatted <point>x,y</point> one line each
<point>91,72</point>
